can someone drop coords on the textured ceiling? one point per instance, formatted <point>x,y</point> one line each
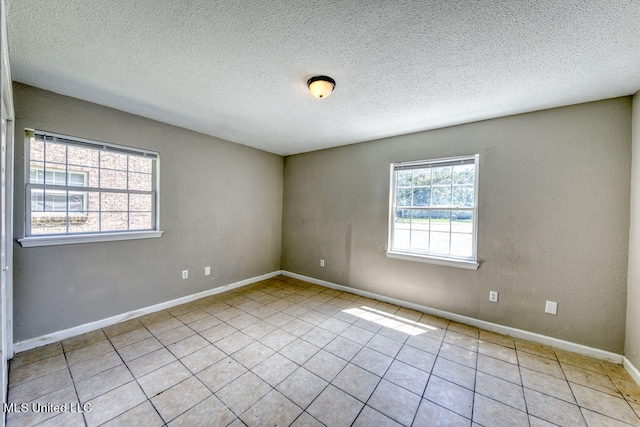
<point>238,69</point>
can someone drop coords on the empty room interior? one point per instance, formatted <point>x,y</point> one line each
<point>338,213</point>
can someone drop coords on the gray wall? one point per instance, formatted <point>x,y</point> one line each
<point>553,220</point>
<point>632,344</point>
<point>221,205</point>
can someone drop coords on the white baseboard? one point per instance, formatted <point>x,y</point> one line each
<point>103,323</point>
<point>631,369</point>
<point>493,327</point>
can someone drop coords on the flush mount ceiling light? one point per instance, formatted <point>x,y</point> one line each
<point>321,86</point>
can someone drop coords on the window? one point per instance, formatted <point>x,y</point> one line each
<point>80,191</point>
<point>434,211</point>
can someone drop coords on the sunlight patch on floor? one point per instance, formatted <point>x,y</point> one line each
<point>390,320</point>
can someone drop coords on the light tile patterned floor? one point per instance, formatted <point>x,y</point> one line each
<point>285,352</point>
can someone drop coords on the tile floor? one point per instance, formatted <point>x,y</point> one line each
<point>285,352</point>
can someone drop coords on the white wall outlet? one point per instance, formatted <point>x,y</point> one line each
<point>185,274</point>
<point>207,271</point>
<point>321,263</point>
<point>493,296</point>
<point>551,308</point>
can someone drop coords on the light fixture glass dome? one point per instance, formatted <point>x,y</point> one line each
<point>321,86</point>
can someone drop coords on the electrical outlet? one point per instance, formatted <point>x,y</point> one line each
<point>493,296</point>
<point>551,308</point>
<point>185,274</point>
<point>321,263</point>
<point>207,271</point>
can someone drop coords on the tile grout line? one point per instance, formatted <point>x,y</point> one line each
<point>475,377</point>
<point>304,410</point>
<point>73,381</point>
<point>134,378</point>
<point>524,395</point>
<point>619,391</point>
<point>424,391</point>
<point>379,381</point>
<point>301,366</point>
<point>564,375</point>
<point>273,388</point>
<point>213,394</point>
<point>148,399</point>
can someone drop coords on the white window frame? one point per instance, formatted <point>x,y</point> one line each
<point>424,256</point>
<point>72,238</point>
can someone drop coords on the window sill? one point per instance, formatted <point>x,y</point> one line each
<point>35,241</point>
<point>449,262</point>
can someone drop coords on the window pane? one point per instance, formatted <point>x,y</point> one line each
<point>92,176</point>
<point>403,197</point>
<point>37,201</point>
<point>113,179</point>
<point>461,245</point>
<point>403,215</point>
<point>140,221</point>
<point>422,196</point>
<point>402,230</point>
<point>55,153</point>
<point>80,156</point>
<point>441,196</point>
<point>140,164</point>
<point>439,243</point>
<point>420,240</point>
<point>76,179</point>
<point>404,178</point>
<point>441,176</point>
<point>440,221</point>
<point>420,219</point>
<point>113,221</point>
<point>93,201</point>
<point>462,222</point>
<point>114,202</point>
<point>140,202</point>
<point>36,173</point>
<point>37,150</point>
<point>55,201</point>
<point>56,177</point>
<point>109,160</point>
<point>402,237</point>
<point>140,181</point>
<point>77,202</point>
<point>462,233</point>
<point>54,174</point>
<point>420,230</point>
<point>88,223</point>
<point>463,195</point>
<point>422,177</point>
<point>465,174</point>
<point>47,224</point>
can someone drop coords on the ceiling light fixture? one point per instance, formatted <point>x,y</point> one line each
<point>321,86</point>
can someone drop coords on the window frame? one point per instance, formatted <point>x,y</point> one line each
<point>471,262</point>
<point>34,240</point>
